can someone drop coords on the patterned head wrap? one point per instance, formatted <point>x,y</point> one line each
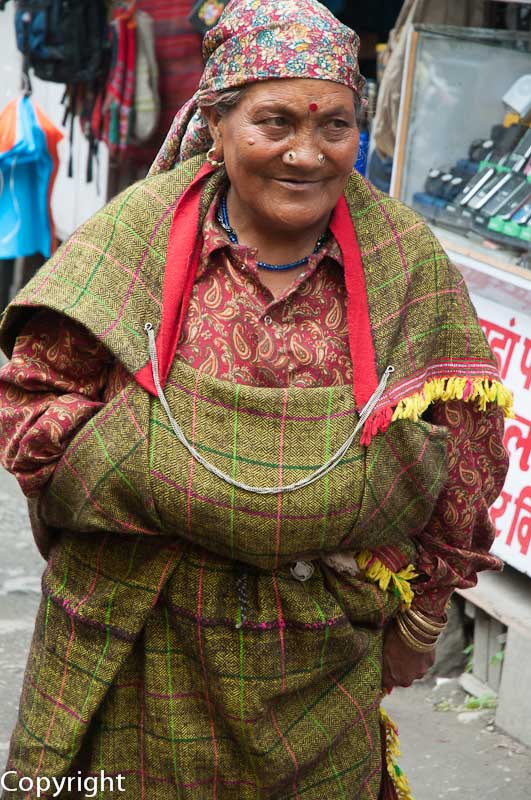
<point>258,40</point>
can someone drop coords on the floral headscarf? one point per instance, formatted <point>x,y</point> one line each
<point>257,40</point>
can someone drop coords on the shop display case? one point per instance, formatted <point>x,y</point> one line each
<point>451,124</point>
<point>459,128</point>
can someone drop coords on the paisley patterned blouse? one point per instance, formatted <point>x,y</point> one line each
<point>59,376</point>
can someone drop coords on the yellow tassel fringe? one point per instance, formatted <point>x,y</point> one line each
<point>377,572</point>
<point>392,752</point>
<point>482,390</point>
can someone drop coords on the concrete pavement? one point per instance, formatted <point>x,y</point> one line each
<point>447,755</point>
<point>20,570</point>
<point>456,754</point>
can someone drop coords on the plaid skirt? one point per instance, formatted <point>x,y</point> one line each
<point>195,705</point>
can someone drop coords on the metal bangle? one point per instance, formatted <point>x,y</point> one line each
<point>428,619</point>
<point>415,629</point>
<point>414,645</point>
<point>411,641</point>
<point>417,634</point>
<point>423,624</point>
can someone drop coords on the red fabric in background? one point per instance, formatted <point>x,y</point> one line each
<point>178,53</point>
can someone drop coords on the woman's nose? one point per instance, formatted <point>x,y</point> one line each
<point>303,152</point>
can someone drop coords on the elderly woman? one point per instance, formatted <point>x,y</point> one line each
<point>260,429</point>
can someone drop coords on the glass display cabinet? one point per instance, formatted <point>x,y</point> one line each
<point>463,156</point>
<point>463,160</point>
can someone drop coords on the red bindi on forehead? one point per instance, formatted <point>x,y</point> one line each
<point>313,107</point>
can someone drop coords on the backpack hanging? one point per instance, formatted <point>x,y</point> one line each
<point>67,41</point>
<point>64,41</point>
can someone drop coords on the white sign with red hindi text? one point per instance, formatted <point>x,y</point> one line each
<point>509,335</point>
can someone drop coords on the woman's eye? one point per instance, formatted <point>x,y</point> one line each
<point>276,122</point>
<point>337,124</point>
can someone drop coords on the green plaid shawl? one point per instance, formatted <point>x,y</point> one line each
<point>137,665</point>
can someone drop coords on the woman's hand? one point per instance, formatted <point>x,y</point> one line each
<point>401,664</point>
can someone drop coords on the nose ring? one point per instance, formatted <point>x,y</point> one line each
<point>321,158</point>
<point>291,155</point>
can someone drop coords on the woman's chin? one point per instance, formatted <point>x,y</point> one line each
<point>296,217</point>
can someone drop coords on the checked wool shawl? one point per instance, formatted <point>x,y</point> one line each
<point>145,661</point>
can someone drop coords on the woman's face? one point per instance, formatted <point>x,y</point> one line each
<point>304,117</point>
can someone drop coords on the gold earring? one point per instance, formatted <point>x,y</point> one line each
<point>321,158</point>
<point>211,157</point>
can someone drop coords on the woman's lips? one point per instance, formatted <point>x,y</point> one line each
<point>297,185</point>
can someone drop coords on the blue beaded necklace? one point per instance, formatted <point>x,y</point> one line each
<point>223,219</point>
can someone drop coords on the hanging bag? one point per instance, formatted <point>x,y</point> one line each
<point>28,163</point>
<point>64,41</point>
<point>67,41</point>
<point>146,102</point>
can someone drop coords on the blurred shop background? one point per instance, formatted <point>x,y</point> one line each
<point>447,130</point>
